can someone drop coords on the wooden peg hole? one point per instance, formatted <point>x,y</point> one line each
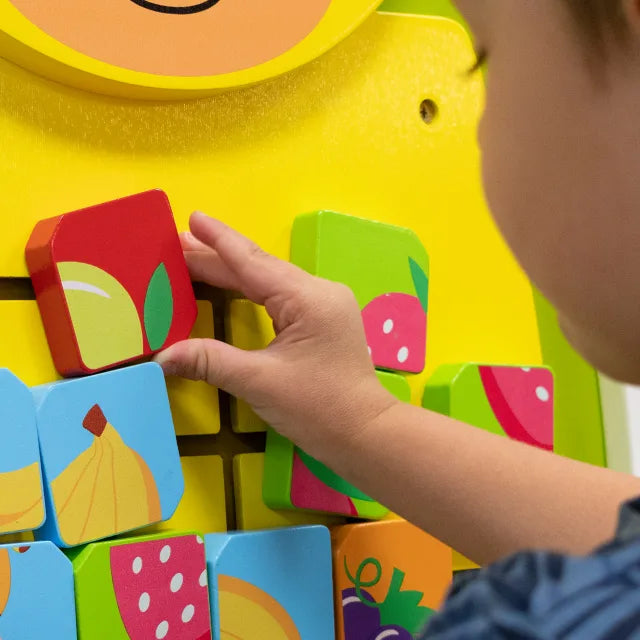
<point>428,111</point>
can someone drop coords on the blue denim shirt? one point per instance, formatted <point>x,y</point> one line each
<point>536,595</point>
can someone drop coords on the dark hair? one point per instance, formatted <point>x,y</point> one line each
<point>600,19</point>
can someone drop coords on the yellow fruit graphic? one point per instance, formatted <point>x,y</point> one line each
<point>5,579</point>
<point>21,504</point>
<point>107,489</point>
<point>105,320</point>
<point>249,613</point>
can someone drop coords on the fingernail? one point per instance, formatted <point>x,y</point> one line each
<point>188,236</point>
<point>199,214</point>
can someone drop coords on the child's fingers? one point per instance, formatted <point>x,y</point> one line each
<point>207,267</point>
<point>218,363</point>
<point>205,264</point>
<point>260,275</point>
<point>190,243</point>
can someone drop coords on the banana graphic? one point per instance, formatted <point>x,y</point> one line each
<point>247,612</point>
<point>107,489</point>
<point>5,579</point>
<point>21,504</point>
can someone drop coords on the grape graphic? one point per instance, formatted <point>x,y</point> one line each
<point>361,622</point>
<point>399,616</point>
<point>392,632</point>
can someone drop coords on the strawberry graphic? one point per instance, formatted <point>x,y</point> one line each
<point>395,325</point>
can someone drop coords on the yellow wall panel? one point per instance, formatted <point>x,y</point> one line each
<point>248,326</point>
<point>341,133</point>
<point>202,507</point>
<point>194,405</point>
<point>23,347</point>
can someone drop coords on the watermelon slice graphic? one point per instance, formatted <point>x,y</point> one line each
<point>309,492</point>
<point>522,402</point>
<point>517,402</point>
<point>161,588</point>
<point>316,488</point>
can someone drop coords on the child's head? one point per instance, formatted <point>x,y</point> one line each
<point>560,140</point>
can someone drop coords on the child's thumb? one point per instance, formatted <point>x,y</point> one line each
<point>218,363</point>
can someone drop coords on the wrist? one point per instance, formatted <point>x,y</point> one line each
<point>368,406</point>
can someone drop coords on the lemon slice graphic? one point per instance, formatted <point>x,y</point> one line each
<point>105,320</point>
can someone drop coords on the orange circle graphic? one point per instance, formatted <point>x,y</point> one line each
<point>232,621</point>
<point>182,38</point>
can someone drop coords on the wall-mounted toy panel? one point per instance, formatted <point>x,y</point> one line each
<point>249,327</point>
<point>21,488</point>
<point>214,45</point>
<point>295,480</point>
<point>27,354</point>
<point>194,404</point>
<point>185,147</point>
<point>152,587</point>
<point>111,283</point>
<point>338,157</point>
<point>621,418</point>
<point>202,506</point>
<point>36,593</point>
<point>513,401</point>
<point>390,577</point>
<point>272,585</point>
<point>109,454</point>
<point>251,511</point>
<point>386,267</point>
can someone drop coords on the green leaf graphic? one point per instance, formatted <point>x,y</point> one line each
<point>158,308</point>
<point>421,283</point>
<point>403,608</point>
<point>400,608</point>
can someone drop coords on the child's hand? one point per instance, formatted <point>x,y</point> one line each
<point>316,379</point>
